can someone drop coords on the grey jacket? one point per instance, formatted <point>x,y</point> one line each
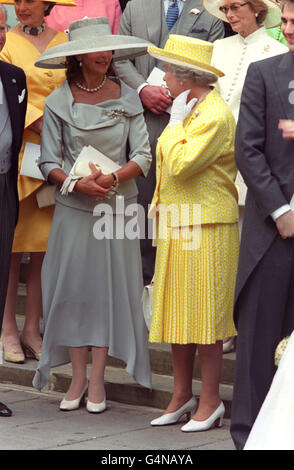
<point>75,125</point>
<point>146,19</point>
<point>263,157</point>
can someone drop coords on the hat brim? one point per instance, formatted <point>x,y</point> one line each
<point>176,59</point>
<point>124,47</point>
<point>69,3</point>
<point>273,18</point>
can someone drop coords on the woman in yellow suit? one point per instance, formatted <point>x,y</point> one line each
<point>24,44</point>
<point>195,204</point>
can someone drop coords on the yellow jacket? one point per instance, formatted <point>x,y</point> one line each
<point>41,82</point>
<point>195,165</point>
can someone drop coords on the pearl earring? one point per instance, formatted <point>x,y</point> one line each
<point>81,64</point>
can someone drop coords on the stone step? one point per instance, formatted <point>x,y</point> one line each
<point>161,363</point>
<point>119,384</point>
<point>160,354</point>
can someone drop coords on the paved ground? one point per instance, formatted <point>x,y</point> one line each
<point>37,424</point>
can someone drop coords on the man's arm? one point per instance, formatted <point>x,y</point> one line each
<point>125,69</point>
<point>250,145</point>
<point>154,98</point>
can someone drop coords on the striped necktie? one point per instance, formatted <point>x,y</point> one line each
<point>172,14</point>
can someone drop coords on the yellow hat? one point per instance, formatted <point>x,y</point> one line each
<point>186,52</point>
<point>69,3</point>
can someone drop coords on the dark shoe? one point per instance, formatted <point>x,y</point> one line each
<point>5,412</point>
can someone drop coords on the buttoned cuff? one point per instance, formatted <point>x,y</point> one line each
<point>282,210</point>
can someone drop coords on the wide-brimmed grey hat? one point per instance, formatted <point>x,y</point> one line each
<point>92,35</point>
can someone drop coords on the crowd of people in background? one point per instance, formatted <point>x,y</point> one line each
<point>212,131</point>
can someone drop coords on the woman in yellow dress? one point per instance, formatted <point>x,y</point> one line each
<point>24,44</point>
<point>195,204</point>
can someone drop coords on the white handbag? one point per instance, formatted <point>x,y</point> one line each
<point>147,303</point>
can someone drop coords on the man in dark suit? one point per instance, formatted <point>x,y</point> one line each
<point>155,20</point>
<point>264,297</point>
<point>13,102</point>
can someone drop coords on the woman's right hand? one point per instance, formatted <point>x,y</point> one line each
<point>87,185</point>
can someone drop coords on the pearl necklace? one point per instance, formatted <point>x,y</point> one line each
<point>92,90</point>
<point>33,30</point>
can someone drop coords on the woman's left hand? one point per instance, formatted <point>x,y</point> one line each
<point>180,108</point>
<point>105,181</point>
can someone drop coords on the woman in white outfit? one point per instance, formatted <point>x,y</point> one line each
<point>274,425</point>
<point>234,54</point>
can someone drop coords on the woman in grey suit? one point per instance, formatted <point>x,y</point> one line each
<point>92,278</point>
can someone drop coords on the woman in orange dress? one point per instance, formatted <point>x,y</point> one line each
<point>24,44</point>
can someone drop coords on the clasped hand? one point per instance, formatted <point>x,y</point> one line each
<point>97,185</point>
<point>155,98</point>
<point>285,225</point>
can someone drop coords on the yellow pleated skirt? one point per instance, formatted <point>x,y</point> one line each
<point>194,285</point>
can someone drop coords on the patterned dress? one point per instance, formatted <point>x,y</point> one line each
<point>197,239</point>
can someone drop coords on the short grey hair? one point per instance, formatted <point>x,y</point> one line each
<point>4,11</point>
<point>199,77</point>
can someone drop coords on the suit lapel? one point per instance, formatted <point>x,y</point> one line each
<point>284,85</point>
<point>11,92</point>
<point>187,19</point>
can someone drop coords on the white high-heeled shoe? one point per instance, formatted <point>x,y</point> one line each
<point>229,345</point>
<point>188,408</point>
<point>216,418</point>
<point>69,405</point>
<point>96,407</point>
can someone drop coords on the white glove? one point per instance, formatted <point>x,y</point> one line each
<point>180,108</point>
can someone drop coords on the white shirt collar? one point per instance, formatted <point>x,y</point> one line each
<point>253,37</point>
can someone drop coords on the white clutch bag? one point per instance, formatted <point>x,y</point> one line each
<point>101,161</point>
<point>147,303</point>
<point>81,168</point>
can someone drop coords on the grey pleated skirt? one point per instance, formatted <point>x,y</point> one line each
<point>91,296</point>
